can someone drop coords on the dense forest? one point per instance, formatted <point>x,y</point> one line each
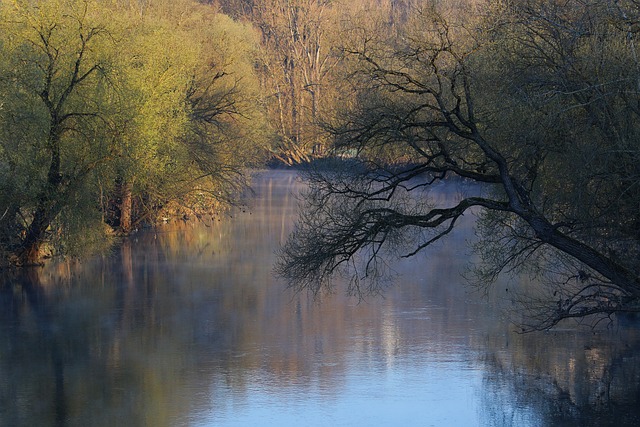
<point>114,113</point>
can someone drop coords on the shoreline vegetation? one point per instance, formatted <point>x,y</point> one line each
<point>197,210</point>
<point>112,112</point>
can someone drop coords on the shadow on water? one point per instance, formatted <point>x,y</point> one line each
<point>29,303</point>
<point>187,326</point>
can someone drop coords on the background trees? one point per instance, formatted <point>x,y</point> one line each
<point>534,100</point>
<point>298,54</point>
<point>111,104</point>
<point>302,64</point>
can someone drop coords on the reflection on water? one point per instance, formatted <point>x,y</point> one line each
<point>187,326</point>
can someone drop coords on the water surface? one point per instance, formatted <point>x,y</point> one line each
<point>186,326</point>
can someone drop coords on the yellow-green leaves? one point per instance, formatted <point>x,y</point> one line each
<point>98,96</point>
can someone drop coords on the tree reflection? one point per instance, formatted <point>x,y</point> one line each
<point>123,340</point>
<point>31,303</point>
<point>181,324</point>
<point>564,378</point>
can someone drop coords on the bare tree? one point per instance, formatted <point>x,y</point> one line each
<point>520,103</point>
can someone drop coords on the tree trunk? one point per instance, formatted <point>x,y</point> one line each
<point>29,252</point>
<point>126,206</point>
<point>47,209</point>
<point>613,271</point>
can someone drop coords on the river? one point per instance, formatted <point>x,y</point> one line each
<point>187,326</point>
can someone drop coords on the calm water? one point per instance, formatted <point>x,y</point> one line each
<point>187,327</point>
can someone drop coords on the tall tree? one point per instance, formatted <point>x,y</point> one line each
<point>147,102</point>
<point>57,118</point>
<point>298,55</point>
<point>537,102</point>
<point>195,107</point>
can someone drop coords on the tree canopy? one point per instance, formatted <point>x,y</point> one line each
<point>537,101</point>
<point>107,103</point>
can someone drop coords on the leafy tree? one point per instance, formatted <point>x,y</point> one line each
<point>109,103</point>
<point>195,109</point>
<point>534,100</point>
<point>57,120</point>
<point>228,129</point>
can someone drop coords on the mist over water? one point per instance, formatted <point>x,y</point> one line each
<point>187,326</point>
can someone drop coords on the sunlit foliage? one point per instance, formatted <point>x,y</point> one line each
<point>109,107</point>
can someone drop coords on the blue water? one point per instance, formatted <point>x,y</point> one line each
<point>187,326</point>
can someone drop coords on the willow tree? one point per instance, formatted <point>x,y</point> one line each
<point>98,98</point>
<point>228,129</point>
<point>57,119</point>
<point>194,106</point>
<point>538,103</point>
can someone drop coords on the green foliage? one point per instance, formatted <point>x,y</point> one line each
<point>56,122</point>
<point>193,104</point>
<point>160,96</point>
